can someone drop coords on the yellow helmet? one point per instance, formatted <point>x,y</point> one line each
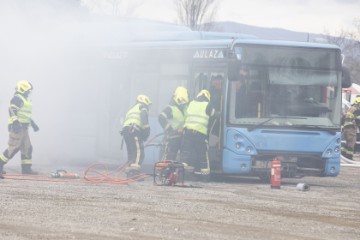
<point>204,93</point>
<point>23,86</point>
<point>181,95</point>
<point>143,99</point>
<point>357,100</point>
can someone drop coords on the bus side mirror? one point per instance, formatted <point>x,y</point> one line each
<point>346,79</point>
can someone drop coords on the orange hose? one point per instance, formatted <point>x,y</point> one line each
<point>106,176</point>
<point>90,175</point>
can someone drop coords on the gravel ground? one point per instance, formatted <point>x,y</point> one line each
<point>233,209</point>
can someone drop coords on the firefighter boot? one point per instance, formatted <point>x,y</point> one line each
<point>133,171</point>
<point>1,169</point>
<point>26,169</point>
<point>204,175</point>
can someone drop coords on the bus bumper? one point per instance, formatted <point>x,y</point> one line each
<point>236,163</point>
<point>332,167</point>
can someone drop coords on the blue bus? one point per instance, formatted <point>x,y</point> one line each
<point>275,99</point>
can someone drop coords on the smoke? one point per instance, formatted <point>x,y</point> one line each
<point>79,96</point>
<point>52,45</point>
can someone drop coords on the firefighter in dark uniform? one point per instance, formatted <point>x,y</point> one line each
<point>349,129</point>
<point>172,120</point>
<point>136,130</point>
<point>194,150</point>
<point>20,112</point>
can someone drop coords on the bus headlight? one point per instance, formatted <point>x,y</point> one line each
<point>337,149</point>
<point>249,149</point>
<point>328,152</point>
<point>238,145</point>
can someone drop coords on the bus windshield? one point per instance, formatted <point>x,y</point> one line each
<point>285,87</point>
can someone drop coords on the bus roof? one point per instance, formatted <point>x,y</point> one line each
<point>218,44</point>
<point>284,43</point>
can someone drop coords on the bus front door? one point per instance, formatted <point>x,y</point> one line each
<point>213,81</point>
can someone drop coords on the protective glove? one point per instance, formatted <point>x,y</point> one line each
<point>34,126</point>
<point>15,126</point>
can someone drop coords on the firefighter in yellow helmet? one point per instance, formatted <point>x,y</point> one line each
<point>172,120</point>
<point>20,112</point>
<point>136,130</point>
<point>349,129</point>
<point>194,149</point>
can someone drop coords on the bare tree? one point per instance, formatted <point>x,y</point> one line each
<point>349,42</point>
<point>196,14</point>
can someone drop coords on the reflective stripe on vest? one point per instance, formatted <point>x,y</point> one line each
<point>178,118</point>
<point>196,118</point>
<point>24,113</point>
<point>133,116</point>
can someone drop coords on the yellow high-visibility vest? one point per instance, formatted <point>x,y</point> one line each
<point>133,116</point>
<point>24,113</point>
<point>178,119</point>
<point>196,117</point>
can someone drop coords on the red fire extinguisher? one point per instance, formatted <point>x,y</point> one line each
<point>275,174</point>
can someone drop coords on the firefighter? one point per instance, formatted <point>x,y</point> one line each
<point>20,112</point>
<point>172,120</point>
<point>136,130</point>
<point>194,150</point>
<point>349,129</point>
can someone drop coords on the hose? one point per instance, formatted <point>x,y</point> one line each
<point>349,165</point>
<point>90,175</point>
<point>107,176</point>
<point>149,142</point>
<point>345,162</point>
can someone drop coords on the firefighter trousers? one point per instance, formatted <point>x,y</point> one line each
<point>18,142</point>
<point>172,146</point>
<point>349,135</point>
<point>194,150</point>
<point>134,145</point>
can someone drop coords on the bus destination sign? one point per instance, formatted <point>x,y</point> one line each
<point>208,54</point>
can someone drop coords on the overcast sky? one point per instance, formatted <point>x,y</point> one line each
<point>314,16</point>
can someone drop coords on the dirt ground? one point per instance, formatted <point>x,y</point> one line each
<point>232,209</point>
